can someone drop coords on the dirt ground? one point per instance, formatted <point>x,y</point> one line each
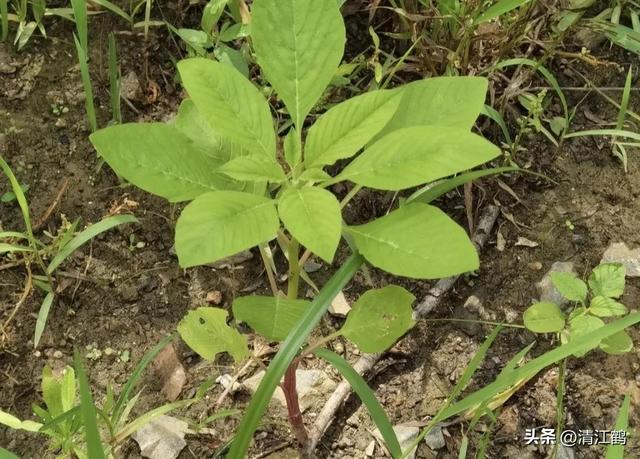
<point>125,291</point>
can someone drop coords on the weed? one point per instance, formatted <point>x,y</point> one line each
<point>23,248</point>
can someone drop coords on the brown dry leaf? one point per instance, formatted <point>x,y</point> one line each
<point>171,372</point>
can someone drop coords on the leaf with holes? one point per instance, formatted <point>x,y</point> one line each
<point>379,318</point>
<point>205,330</point>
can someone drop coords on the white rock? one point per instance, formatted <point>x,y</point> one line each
<point>227,381</point>
<point>406,435</point>
<point>162,438</point>
<point>371,449</point>
<point>435,438</point>
<point>310,384</point>
<point>546,290</point>
<point>565,452</point>
<point>618,252</point>
<point>524,242</point>
<point>340,306</point>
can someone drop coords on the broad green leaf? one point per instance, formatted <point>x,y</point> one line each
<point>272,317</point>
<point>620,343</point>
<point>581,326</point>
<point>4,453</point>
<point>608,280</point>
<point>313,217</point>
<point>222,223</point>
<point>299,45</point>
<point>379,318</point>
<point>569,286</point>
<point>211,14</point>
<point>230,103</point>
<point>418,241</point>
<point>498,9</point>
<point>347,127</point>
<point>602,306</point>
<point>205,330</point>
<point>544,317</point>
<point>16,424</point>
<point>254,169</point>
<point>315,175</point>
<point>157,158</point>
<point>442,101</point>
<point>416,155</point>
<point>58,391</point>
<point>622,424</point>
<point>292,148</point>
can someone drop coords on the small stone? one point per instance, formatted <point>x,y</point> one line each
<point>406,435</point>
<point>340,306</point>
<point>535,266</point>
<point>162,438</point>
<point>500,242</point>
<point>214,297</point>
<point>311,266</point>
<point>524,242</point>
<point>109,351</point>
<point>61,123</point>
<point>546,290</point>
<point>57,355</point>
<point>619,252</point>
<point>130,86</point>
<point>227,381</point>
<point>435,438</point>
<point>371,449</point>
<point>129,293</point>
<point>565,452</point>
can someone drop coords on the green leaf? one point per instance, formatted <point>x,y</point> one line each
<point>602,306</point>
<point>416,155</point>
<point>620,343</point>
<point>379,318</point>
<point>622,423</point>
<point>254,169</point>
<point>292,148</point>
<point>272,317</point>
<point>544,317</point>
<point>315,176</point>
<point>368,397</point>
<point>608,280</point>
<point>313,217</point>
<point>230,103</point>
<point>299,45</point>
<point>569,286</point>
<point>205,330</point>
<point>442,101</point>
<point>418,241</point>
<point>16,424</point>
<point>6,454</point>
<point>347,127</point>
<point>211,14</point>
<point>583,325</point>
<point>222,223</point>
<point>43,314</point>
<point>498,9</point>
<point>58,391</point>
<point>157,158</point>
<point>95,449</point>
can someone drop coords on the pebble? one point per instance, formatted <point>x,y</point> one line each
<point>546,290</point>
<point>619,252</point>
<point>435,438</point>
<point>406,435</point>
<point>57,355</point>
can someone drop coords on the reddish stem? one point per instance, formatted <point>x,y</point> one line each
<point>293,405</point>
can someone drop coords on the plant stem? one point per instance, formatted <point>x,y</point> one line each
<point>293,405</point>
<point>267,267</point>
<point>294,269</point>
<point>483,322</point>
<point>318,344</point>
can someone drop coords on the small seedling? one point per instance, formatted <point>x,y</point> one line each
<point>594,300</point>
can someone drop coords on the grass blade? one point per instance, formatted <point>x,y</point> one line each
<point>605,132</point>
<point>6,454</point>
<point>4,19</point>
<point>10,248</point>
<point>114,9</point>
<point>367,396</point>
<point>136,375</point>
<point>622,423</point>
<point>95,449</point>
<point>21,198</point>
<point>430,193</point>
<point>530,369</point>
<point>80,18</point>
<point>498,9</point>
<point>626,93</point>
<point>114,79</point>
<point>86,235</point>
<point>86,83</point>
<point>43,314</point>
<point>288,350</point>
<point>495,116</point>
<point>147,417</point>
